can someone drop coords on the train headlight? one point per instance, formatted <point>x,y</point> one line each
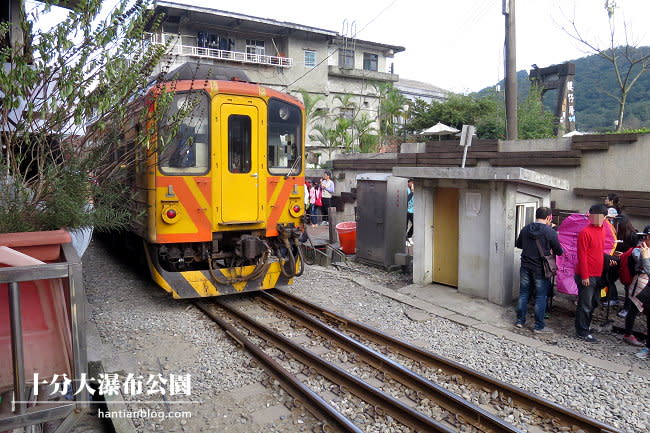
<point>295,210</point>
<point>170,215</point>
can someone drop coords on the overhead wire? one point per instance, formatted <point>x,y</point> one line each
<point>337,49</point>
<point>471,19</point>
<point>479,10</point>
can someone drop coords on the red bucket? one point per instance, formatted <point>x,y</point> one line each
<point>347,232</point>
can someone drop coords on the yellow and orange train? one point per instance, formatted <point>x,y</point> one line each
<point>220,196</point>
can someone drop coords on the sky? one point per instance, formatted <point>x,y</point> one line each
<point>458,44</point>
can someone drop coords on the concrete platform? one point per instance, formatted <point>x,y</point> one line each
<point>319,233</point>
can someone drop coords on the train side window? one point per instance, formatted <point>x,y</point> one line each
<point>239,143</point>
<point>184,135</point>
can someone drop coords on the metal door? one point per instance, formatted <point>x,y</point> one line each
<point>445,236</point>
<point>239,160</point>
<point>371,226</point>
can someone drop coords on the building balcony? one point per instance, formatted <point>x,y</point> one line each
<point>338,71</point>
<point>176,48</point>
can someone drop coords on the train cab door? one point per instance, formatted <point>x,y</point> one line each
<point>239,158</point>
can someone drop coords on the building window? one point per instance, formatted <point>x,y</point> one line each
<point>525,216</point>
<point>347,113</point>
<point>254,49</point>
<point>370,61</point>
<point>310,58</point>
<point>346,58</point>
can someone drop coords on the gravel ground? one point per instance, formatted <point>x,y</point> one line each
<point>562,316</point>
<point>144,329</point>
<point>618,399</point>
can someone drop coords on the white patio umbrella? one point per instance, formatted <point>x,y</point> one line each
<point>439,129</point>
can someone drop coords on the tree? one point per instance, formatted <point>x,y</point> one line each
<point>492,123</point>
<point>312,113</point>
<point>533,120</point>
<point>84,70</point>
<point>345,120</point>
<point>456,111</point>
<point>348,129</point>
<point>486,112</point>
<point>420,116</point>
<point>328,137</point>
<point>391,107</point>
<point>365,133</point>
<point>628,61</point>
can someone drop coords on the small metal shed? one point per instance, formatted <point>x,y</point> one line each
<point>381,218</point>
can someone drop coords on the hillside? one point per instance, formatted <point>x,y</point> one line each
<point>595,110</point>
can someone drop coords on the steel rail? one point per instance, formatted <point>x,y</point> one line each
<point>520,397</point>
<point>314,403</point>
<point>390,405</point>
<point>472,414</point>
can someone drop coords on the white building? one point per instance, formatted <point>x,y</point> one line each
<point>281,55</point>
<point>413,90</point>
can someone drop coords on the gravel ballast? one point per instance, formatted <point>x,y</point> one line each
<point>617,399</point>
<point>141,327</point>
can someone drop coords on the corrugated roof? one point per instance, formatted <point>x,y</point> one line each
<point>235,15</point>
<point>420,85</point>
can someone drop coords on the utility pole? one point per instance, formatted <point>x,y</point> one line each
<point>510,70</point>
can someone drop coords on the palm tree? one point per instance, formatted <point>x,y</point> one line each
<point>326,136</point>
<point>346,124</point>
<point>367,140</point>
<point>311,100</point>
<point>391,107</point>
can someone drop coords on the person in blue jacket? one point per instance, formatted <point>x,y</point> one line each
<point>410,208</point>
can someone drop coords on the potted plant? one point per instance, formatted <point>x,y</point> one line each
<point>55,170</point>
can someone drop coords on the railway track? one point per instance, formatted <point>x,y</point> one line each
<point>384,377</point>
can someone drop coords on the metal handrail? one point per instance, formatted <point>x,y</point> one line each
<point>70,268</point>
<point>212,53</point>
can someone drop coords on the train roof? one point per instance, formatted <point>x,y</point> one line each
<point>224,79</point>
<point>199,71</point>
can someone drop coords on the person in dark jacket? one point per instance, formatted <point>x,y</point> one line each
<point>613,200</point>
<point>532,270</point>
<point>627,238</point>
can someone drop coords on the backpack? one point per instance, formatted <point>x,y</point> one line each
<point>627,267</point>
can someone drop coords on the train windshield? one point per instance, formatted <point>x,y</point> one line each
<point>184,135</point>
<point>284,138</point>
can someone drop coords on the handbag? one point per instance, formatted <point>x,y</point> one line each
<point>548,262</point>
<point>319,198</point>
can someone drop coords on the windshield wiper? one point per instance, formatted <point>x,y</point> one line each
<point>293,167</point>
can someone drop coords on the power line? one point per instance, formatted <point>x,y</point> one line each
<point>337,49</point>
<point>469,21</point>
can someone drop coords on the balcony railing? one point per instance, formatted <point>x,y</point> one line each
<point>211,53</point>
